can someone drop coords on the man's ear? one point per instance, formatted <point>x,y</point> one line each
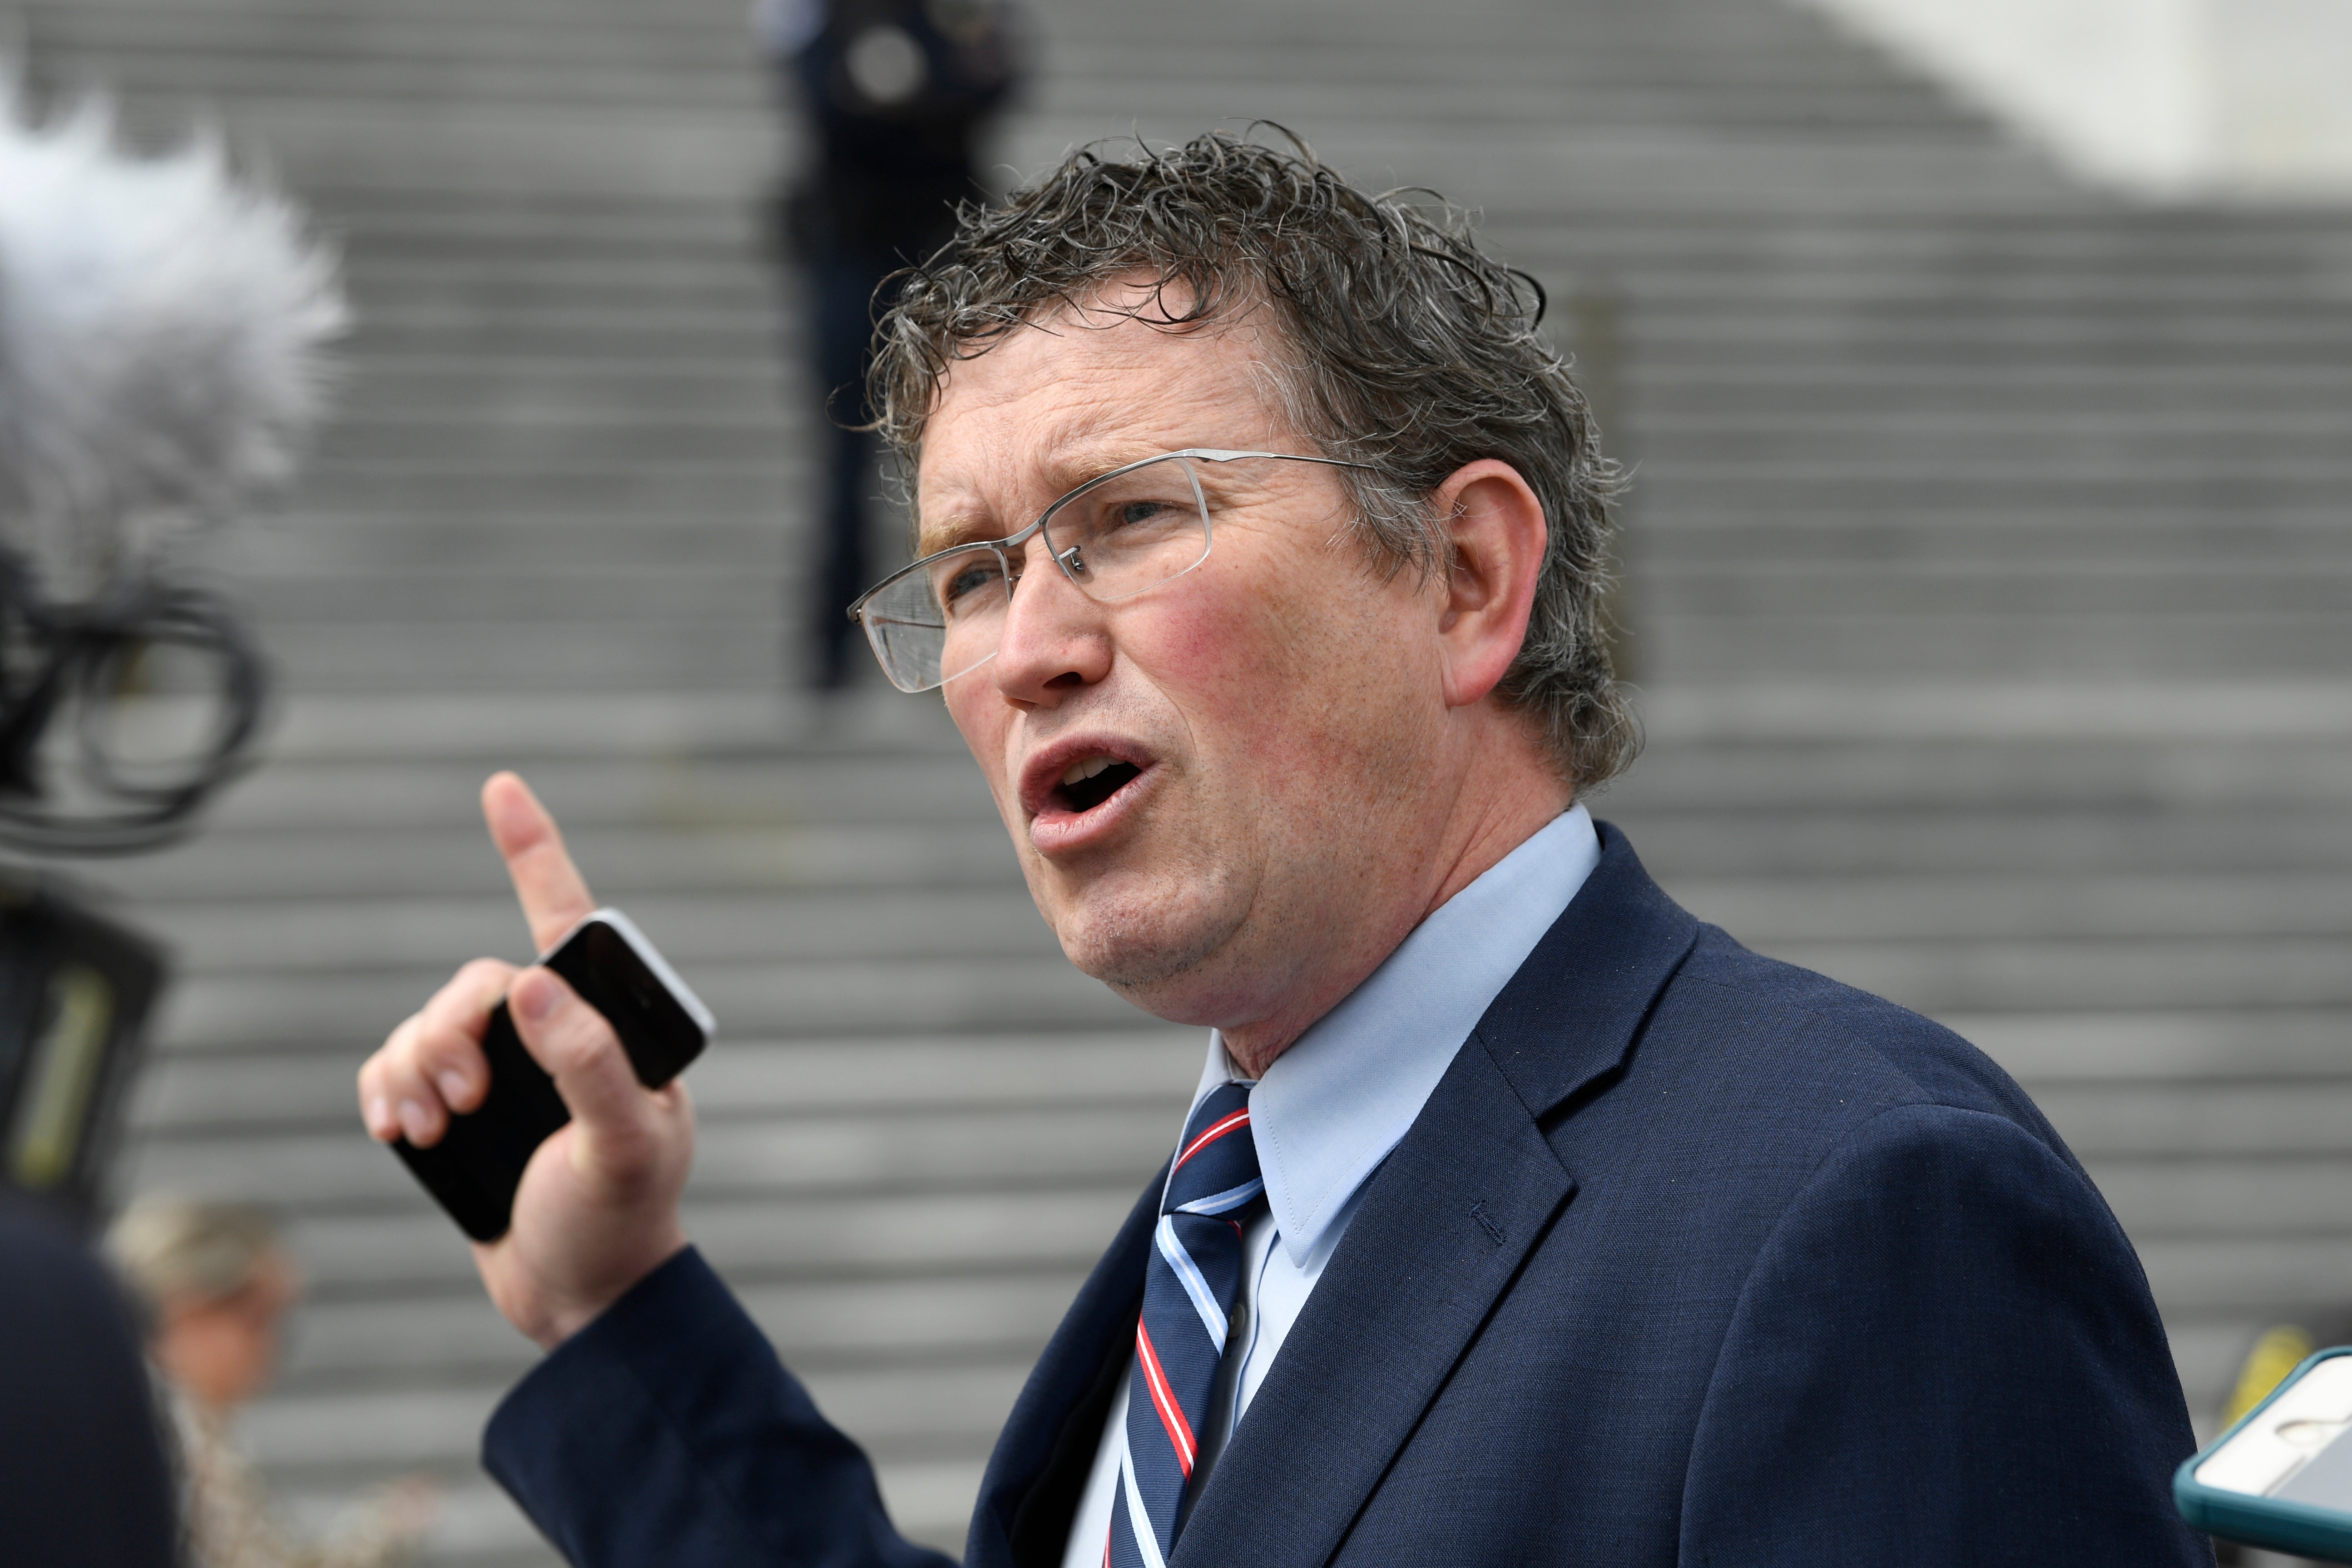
<point>1495,522</point>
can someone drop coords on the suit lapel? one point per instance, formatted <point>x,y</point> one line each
<point>1021,1499</point>
<point>1575,1007</point>
<point>1444,1227</point>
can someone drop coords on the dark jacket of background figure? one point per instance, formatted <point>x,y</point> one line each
<point>888,170</point>
<point>82,1473</point>
<point>880,190</point>
<point>1692,1257</point>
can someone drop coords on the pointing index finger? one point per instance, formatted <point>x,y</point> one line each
<point>553,894</point>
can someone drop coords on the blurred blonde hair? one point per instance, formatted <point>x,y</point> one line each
<point>182,1249</point>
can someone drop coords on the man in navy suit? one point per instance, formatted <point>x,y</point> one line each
<point>1518,1218</point>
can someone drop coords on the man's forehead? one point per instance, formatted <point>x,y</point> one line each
<point>1058,370</point>
<point>1057,403</point>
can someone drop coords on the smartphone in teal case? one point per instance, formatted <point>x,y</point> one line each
<point>2282,1477</point>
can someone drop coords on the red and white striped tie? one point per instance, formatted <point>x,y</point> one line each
<point>1189,1288</point>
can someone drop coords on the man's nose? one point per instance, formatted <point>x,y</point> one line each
<point>1055,641</point>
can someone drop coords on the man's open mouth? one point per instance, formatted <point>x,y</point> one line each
<point>1091,781</point>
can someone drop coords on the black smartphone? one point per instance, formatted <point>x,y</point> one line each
<point>475,1169</point>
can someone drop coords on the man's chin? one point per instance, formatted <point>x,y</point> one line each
<point>1149,955</point>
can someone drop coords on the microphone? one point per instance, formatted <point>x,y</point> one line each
<point>161,322</point>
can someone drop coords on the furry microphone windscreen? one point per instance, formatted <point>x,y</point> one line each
<point>160,325</point>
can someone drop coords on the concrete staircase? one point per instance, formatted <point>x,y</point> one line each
<point>1990,562</point>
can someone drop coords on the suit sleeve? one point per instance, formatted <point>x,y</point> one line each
<point>1947,1354</point>
<point>667,1433</point>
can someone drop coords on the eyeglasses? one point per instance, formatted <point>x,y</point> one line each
<point>1114,537</point>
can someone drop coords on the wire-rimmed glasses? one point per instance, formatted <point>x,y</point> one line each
<point>1114,537</point>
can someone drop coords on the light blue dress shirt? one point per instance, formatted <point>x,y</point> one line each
<point>1332,1107</point>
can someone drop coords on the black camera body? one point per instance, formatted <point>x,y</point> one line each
<point>75,994</point>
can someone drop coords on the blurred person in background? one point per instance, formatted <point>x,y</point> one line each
<point>894,94</point>
<point>216,1285</point>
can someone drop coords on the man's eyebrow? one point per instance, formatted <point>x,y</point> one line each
<point>957,528</point>
<point>1070,471</point>
<point>935,537</point>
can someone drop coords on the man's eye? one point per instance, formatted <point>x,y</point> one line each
<point>1136,514</point>
<point>968,578</point>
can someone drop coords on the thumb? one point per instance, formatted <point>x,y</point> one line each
<point>573,1041</point>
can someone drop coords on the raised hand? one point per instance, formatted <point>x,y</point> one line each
<point>597,1210</point>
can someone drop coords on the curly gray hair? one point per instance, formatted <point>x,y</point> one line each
<point>1411,352</point>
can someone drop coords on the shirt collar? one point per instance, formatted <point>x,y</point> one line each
<point>1332,1106</point>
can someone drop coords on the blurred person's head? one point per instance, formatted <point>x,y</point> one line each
<point>215,1282</point>
<point>1376,675</point>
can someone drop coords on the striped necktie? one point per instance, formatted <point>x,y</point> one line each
<point>1188,1286</point>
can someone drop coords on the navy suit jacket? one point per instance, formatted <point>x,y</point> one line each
<point>1692,1257</point>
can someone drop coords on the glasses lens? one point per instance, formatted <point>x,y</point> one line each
<point>1132,532</point>
<point>932,625</point>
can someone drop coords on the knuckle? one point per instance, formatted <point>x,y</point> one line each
<point>438,1049</point>
<point>557,1023</point>
<point>390,1058</point>
<point>580,1037</point>
<point>401,1039</point>
<point>479,973</point>
<point>400,1079</point>
<point>471,992</point>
